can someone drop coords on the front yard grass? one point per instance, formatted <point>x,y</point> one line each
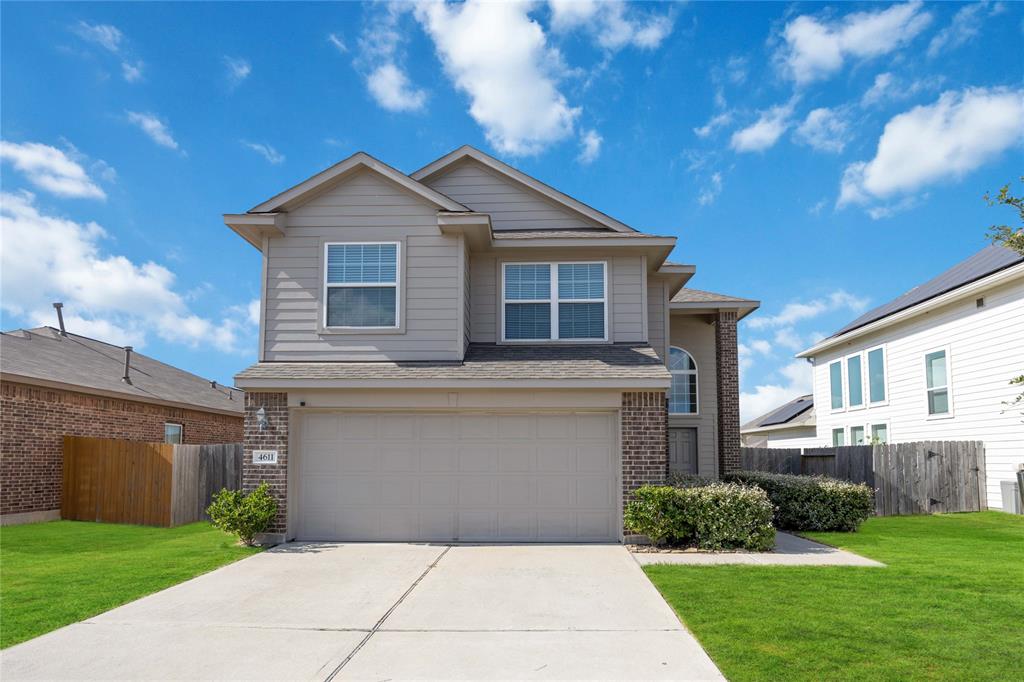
<point>947,606</point>
<point>57,573</point>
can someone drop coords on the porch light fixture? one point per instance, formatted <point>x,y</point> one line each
<point>261,419</point>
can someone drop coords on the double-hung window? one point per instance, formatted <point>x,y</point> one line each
<point>936,370</point>
<point>172,433</point>
<point>854,382</point>
<point>835,378</point>
<point>361,285</point>
<point>876,375</point>
<point>554,301</point>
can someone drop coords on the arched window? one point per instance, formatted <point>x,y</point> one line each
<point>682,397</point>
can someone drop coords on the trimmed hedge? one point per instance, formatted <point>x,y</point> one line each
<point>716,516</point>
<point>812,502</point>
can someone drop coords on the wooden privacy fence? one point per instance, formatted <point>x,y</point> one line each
<point>908,478</point>
<point>152,484</point>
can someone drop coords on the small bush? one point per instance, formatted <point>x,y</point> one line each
<point>812,502</point>
<point>688,481</point>
<point>714,516</point>
<point>244,514</point>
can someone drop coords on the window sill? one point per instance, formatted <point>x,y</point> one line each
<point>554,342</point>
<point>363,331</point>
<point>939,417</point>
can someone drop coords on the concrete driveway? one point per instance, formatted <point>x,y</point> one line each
<point>386,611</point>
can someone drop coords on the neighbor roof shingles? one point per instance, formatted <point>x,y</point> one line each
<point>486,362</point>
<point>88,364</point>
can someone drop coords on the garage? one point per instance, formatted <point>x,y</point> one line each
<point>457,476</point>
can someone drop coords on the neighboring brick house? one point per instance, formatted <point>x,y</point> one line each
<point>466,353</point>
<point>54,385</point>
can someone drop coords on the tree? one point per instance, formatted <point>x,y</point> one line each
<point>1011,238</point>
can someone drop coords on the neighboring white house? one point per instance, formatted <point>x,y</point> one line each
<point>933,364</point>
<point>789,426</point>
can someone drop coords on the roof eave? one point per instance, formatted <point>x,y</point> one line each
<point>253,227</point>
<point>623,383</point>
<point>742,308</point>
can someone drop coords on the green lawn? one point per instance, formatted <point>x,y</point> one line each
<point>53,574</point>
<point>949,605</point>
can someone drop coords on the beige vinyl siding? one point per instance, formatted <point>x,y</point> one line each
<point>512,206</point>
<point>657,309</point>
<point>625,286</point>
<point>985,351</point>
<point>467,320</point>
<point>364,207</point>
<point>695,335</point>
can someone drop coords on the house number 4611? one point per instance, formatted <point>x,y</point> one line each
<point>264,456</point>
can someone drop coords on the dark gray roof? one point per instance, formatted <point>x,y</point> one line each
<point>988,261</point>
<point>486,362</point>
<point>92,365</point>
<point>687,295</point>
<point>790,412</point>
<point>572,234</point>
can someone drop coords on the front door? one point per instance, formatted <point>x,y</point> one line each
<point>682,451</point>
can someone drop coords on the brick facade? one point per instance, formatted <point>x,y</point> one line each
<point>35,419</point>
<point>728,383</point>
<point>644,440</point>
<point>273,437</point>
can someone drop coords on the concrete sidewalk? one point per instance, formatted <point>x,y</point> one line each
<point>386,611</point>
<point>790,550</point>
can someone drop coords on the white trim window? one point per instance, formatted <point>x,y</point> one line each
<point>857,435</point>
<point>855,382</point>
<point>554,302</point>
<point>835,377</point>
<point>876,376</point>
<point>838,437</point>
<point>361,285</point>
<point>937,383</point>
<point>879,433</point>
<point>173,433</point>
<point>683,394</point>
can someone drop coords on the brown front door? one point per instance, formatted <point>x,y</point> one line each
<point>682,451</point>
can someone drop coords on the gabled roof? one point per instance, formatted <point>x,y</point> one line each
<point>42,356</point>
<point>697,299</point>
<point>797,412</point>
<point>466,152</point>
<point>989,260</point>
<point>359,160</point>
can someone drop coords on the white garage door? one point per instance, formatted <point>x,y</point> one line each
<point>469,477</point>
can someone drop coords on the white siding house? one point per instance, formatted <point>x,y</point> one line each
<point>937,368</point>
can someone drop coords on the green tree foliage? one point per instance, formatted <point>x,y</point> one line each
<point>1012,238</point>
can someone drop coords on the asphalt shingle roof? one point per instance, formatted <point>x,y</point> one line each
<point>687,295</point>
<point>488,361</point>
<point>44,354</point>
<point>988,261</point>
<point>572,234</point>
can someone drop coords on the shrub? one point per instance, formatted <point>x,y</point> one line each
<point>714,516</point>
<point>244,514</point>
<point>812,502</point>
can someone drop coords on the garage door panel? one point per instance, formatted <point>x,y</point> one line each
<point>470,477</point>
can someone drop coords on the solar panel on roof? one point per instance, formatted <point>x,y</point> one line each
<point>787,412</point>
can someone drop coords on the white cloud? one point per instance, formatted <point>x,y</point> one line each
<point>590,146</point>
<point>391,88</point>
<point>817,208</point>
<point>266,151</point>
<point>338,42</point>
<point>253,311</point>
<point>714,123</point>
<point>824,129</point>
<point>795,379</point>
<point>111,39</point>
<point>816,48</point>
<point>765,132</point>
<point>880,90</point>
<point>46,258</point>
<point>50,169</point>
<point>929,143</point>
<point>761,346</point>
<point>711,191</point>
<point>500,57</point>
<point>965,27</point>
<point>804,310</point>
<point>156,129</point>
<point>614,25</point>
<point>788,338</point>
<point>237,70</point>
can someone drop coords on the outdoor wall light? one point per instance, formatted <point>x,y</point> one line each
<point>261,419</point>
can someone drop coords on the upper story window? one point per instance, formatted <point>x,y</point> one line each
<point>555,301</point>
<point>876,375</point>
<point>682,397</point>
<point>835,378</point>
<point>361,285</point>
<point>172,433</point>
<point>936,370</point>
<point>854,382</point>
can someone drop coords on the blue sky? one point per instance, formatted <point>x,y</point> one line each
<point>819,157</point>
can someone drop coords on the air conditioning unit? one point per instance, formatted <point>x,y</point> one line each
<point>1011,496</point>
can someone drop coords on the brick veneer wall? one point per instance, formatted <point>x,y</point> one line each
<point>35,419</point>
<point>274,437</point>
<point>644,440</point>
<point>728,383</point>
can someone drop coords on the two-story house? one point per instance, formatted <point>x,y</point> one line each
<point>465,353</point>
<point>933,364</point>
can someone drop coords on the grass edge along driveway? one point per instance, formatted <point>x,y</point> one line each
<point>57,573</point>
<point>947,606</point>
